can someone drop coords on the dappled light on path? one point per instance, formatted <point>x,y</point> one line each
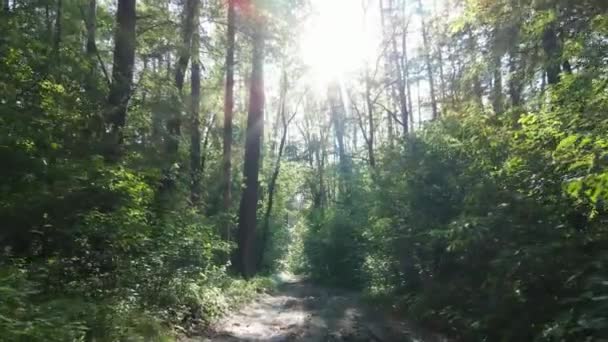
<point>301,311</point>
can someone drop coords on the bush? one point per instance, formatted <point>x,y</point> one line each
<point>488,228</point>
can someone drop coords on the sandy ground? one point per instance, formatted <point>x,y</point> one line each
<point>301,311</point>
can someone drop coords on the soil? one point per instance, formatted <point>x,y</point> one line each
<point>302,311</point>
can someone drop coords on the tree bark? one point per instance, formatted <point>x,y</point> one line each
<point>567,67</point>
<point>195,130</point>
<point>551,47</point>
<point>57,38</point>
<point>406,71</point>
<point>371,128</point>
<point>475,81</point>
<point>515,82</point>
<point>273,179</point>
<point>497,102</point>
<point>228,112</point>
<point>255,121</point>
<point>206,144</point>
<point>344,163</point>
<point>387,72</point>
<point>428,64</point>
<point>174,123</point>
<point>398,70</point>
<point>337,117</point>
<point>122,76</point>
<point>91,25</point>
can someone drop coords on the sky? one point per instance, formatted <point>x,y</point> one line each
<point>339,38</point>
<point>342,36</point>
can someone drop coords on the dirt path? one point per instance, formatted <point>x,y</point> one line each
<point>301,311</point>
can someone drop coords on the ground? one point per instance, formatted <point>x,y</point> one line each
<point>301,311</point>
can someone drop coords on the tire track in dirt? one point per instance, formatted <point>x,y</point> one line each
<point>302,311</point>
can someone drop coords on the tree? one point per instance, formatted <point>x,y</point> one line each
<point>184,52</point>
<point>428,63</point>
<point>195,129</point>
<point>338,119</point>
<point>228,110</point>
<point>246,260</point>
<point>122,77</point>
<point>91,25</point>
<point>286,120</point>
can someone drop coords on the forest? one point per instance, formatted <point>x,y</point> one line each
<point>163,160</point>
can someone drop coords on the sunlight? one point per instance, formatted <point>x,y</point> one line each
<point>337,40</point>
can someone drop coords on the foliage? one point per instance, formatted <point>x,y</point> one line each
<point>488,229</point>
<point>487,222</point>
<point>93,248</point>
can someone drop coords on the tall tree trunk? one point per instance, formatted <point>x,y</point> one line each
<point>275,175</point>
<point>7,6</point>
<point>91,25</point>
<point>174,123</point>
<point>566,67</point>
<point>337,117</point>
<point>387,73</point>
<point>419,104</point>
<point>401,87</point>
<point>337,110</point>
<point>195,129</point>
<point>428,63</point>
<point>441,74</point>
<point>551,47</point>
<point>210,125</point>
<point>57,38</point>
<point>255,121</point>
<point>228,110</point>
<point>475,81</point>
<point>406,71</point>
<point>370,120</point>
<point>497,103</point>
<point>122,76</point>
<point>90,18</point>
<point>515,82</point>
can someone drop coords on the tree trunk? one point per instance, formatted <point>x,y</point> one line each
<point>337,117</point>
<point>429,64</point>
<point>7,6</point>
<point>387,73</point>
<point>399,71</point>
<point>515,82</point>
<point>195,129</point>
<point>122,76</point>
<point>174,123</point>
<point>401,88</point>
<point>91,25</point>
<point>371,127</point>
<point>551,47</point>
<point>475,81</point>
<point>57,38</point>
<point>255,121</point>
<point>344,163</point>
<point>90,18</point>
<point>441,73</point>
<point>497,104</point>
<point>228,110</point>
<point>419,104</point>
<point>406,72</point>
<point>567,67</point>
<point>273,178</point>
<point>206,144</point>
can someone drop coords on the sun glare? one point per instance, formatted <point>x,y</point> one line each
<point>337,41</point>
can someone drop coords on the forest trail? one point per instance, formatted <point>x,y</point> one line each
<point>301,311</point>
